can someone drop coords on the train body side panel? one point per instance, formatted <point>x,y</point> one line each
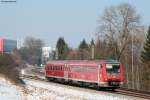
<point>83,73</point>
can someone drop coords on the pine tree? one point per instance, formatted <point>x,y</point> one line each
<point>83,50</point>
<point>62,48</point>
<point>83,45</point>
<point>92,43</point>
<point>146,52</point>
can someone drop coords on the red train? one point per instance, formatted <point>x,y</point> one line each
<point>99,73</point>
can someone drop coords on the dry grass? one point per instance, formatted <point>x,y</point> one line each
<point>9,68</point>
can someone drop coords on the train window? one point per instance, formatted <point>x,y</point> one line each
<point>55,67</point>
<point>68,68</point>
<point>84,69</point>
<point>112,68</point>
<point>59,67</point>
<point>64,68</point>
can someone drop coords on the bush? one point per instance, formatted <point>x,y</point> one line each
<point>8,68</point>
<point>145,82</point>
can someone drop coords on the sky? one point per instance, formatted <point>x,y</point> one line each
<point>48,20</point>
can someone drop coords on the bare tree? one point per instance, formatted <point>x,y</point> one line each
<point>117,23</point>
<point>121,27</point>
<point>31,51</point>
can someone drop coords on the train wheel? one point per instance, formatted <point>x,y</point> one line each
<point>103,88</point>
<point>62,81</point>
<point>49,78</point>
<point>95,85</point>
<point>113,89</point>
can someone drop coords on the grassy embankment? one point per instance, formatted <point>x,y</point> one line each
<point>9,68</point>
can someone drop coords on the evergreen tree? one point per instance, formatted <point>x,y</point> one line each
<point>62,48</point>
<point>92,43</point>
<point>84,50</point>
<point>146,52</point>
<point>83,45</point>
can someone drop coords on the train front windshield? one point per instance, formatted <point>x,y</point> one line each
<point>113,68</point>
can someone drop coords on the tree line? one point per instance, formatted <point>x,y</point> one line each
<point>119,36</point>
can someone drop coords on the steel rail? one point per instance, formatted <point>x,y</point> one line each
<point>94,90</point>
<point>121,91</point>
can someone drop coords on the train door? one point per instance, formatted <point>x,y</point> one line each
<point>66,72</point>
<point>99,73</point>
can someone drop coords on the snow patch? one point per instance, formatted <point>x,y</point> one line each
<point>8,91</point>
<point>39,90</point>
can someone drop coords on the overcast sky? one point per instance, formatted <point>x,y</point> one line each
<point>50,19</point>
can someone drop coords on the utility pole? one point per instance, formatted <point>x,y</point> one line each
<point>56,56</point>
<point>92,53</point>
<point>132,61</point>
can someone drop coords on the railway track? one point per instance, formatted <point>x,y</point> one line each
<point>135,93</point>
<point>121,91</point>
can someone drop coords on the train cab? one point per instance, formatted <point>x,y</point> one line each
<point>112,75</point>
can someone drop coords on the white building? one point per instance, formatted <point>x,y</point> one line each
<point>47,54</point>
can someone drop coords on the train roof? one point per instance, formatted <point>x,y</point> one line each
<point>91,62</point>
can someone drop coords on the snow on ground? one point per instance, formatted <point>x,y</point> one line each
<point>54,92</point>
<point>37,90</point>
<point>8,91</point>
